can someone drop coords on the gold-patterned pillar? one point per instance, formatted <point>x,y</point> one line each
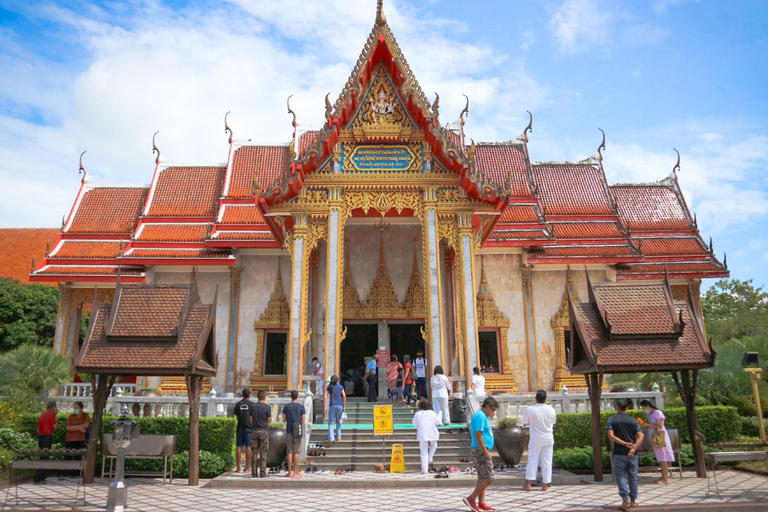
<point>62,321</point>
<point>299,291</point>
<point>530,326</point>
<point>431,247</point>
<point>465,286</point>
<point>334,305</point>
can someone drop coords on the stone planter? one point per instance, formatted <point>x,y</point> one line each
<point>510,443</point>
<point>277,447</point>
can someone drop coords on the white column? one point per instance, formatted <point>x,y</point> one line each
<point>433,271</point>
<point>469,300</point>
<point>333,304</point>
<point>297,296</point>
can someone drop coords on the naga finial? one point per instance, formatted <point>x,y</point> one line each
<point>380,18</point>
<point>82,169</point>
<point>725,261</point>
<point>288,103</point>
<point>695,221</point>
<point>601,147</point>
<point>227,129</point>
<point>528,128</point>
<point>436,105</point>
<point>676,168</point>
<point>472,150</point>
<point>711,246</point>
<point>328,106</point>
<point>464,112</point>
<point>63,222</point>
<point>155,148</point>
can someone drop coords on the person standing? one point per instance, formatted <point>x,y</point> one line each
<point>262,414</point>
<point>408,381</point>
<point>335,403</point>
<point>440,393</point>
<point>393,368</point>
<point>656,424</point>
<point>478,385</point>
<point>541,418</point>
<point>245,412</point>
<point>482,444</point>
<point>370,379</point>
<point>77,426</point>
<point>294,416</point>
<point>426,422</point>
<point>420,366</point>
<point>625,433</point>
<point>317,371</point>
<point>46,424</point>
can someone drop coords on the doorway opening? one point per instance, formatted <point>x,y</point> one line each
<point>406,339</point>
<point>361,343</point>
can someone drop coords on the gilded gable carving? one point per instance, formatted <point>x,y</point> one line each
<point>488,313</point>
<point>381,115</point>
<point>277,314</point>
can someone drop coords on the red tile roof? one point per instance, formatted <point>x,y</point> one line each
<point>581,251</point>
<point>267,163</point>
<point>19,246</point>
<point>173,232</point>
<point>586,230</point>
<point>87,249</point>
<point>241,214</point>
<point>650,207</point>
<point>517,234</point>
<point>504,162</point>
<point>671,246</point>
<point>672,268</point>
<point>308,140</point>
<point>519,213</point>
<point>186,192</point>
<point>146,312</point>
<point>571,189</point>
<point>243,235</point>
<point>639,309</point>
<point>96,270</point>
<point>177,253</point>
<point>108,210</point>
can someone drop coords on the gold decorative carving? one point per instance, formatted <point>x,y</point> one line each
<point>381,115</point>
<point>382,200</point>
<point>415,298</point>
<point>382,301</point>
<point>560,323</point>
<point>489,315</point>
<point>178,385</point>
<point>277,315</point>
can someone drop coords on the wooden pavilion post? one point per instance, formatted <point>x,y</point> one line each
<point>194,383</point>
<point>687,390</point>
<point>595,389</point>
<point>101,386</point>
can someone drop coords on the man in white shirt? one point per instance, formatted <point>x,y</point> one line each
<point>541,418</point>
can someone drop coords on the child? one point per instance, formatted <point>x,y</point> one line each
<point>400,395</point>
<point>426,422</point>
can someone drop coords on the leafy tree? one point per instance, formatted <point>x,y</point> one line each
<point>735,309</point>
<point>28,372</point>
<point>27,314</point>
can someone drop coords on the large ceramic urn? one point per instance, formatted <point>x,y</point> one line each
<point>277,447</point>
<point>510,443</point>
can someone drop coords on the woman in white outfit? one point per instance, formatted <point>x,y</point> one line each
<point>541,418</point>
<point>426,422</point>
<point>440,391</point>
<point>478,385</point>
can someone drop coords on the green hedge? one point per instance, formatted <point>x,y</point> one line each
<point>581,459</point>
<point>717,423</point>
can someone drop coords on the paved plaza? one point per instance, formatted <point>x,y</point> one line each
<point>740,491</point>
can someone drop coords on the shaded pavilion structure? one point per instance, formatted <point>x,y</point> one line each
<point>149,330</point>
<point>640,328</point>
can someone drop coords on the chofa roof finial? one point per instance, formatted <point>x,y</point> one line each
<point>528,128</point>
<point>676,168</point>
<point>601,147</point>
<point>436,106</point>
<point>82,169</point>
<point>465,112</point>
<point>288,103</point>
<point>227,129</point>
<point>380,18</point>
<point>155,148</point>
<point>328,106</point>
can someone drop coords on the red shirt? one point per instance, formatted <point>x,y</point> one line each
<point>46,423</point>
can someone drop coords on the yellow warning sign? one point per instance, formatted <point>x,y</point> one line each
<point>397,464</point>
<point>382,420</point>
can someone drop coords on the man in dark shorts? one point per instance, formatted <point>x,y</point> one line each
<point>260,435</point>
<point>294,415</point>
<point>482,444</point>
<point>625,433</point>
<point>245,412</point>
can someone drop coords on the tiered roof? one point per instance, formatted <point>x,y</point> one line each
<point>555,212</point>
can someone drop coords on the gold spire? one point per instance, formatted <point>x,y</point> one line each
<point>380,18</point>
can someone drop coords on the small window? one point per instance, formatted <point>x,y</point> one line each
<point>489,352</point>
<point>276,353</point>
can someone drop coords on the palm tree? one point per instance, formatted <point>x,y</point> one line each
<point>29,371</point>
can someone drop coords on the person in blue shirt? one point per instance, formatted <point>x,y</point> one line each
<point>370,377</point>
<point>482,444</point>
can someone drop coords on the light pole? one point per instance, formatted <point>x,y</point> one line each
<point>749,362</point>
<point>125,431</point>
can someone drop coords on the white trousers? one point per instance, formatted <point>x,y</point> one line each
<point>440,405</point>
<point>539,455</point>
<point>427,451</point>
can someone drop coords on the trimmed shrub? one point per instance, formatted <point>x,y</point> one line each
<point>581,459</point>
<point>749,426</point>
<point>717,423</point>
<point>211,465</point>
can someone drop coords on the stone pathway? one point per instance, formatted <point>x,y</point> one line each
<point>750,491</point>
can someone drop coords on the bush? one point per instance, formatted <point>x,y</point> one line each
<point>717,423</point>
<point>211,465</point>
<point>19,440</point>
<point>506,423</point>
<point>581,459</point>
<point>7,456</point>
<point>749,426</point>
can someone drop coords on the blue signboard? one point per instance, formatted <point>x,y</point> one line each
<point>388,158</point>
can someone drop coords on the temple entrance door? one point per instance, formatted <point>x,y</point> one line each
<point>361,343</point>
<point>406,339</point>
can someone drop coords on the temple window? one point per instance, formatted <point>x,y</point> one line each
<point>489,351</point>
<point>276,353</point>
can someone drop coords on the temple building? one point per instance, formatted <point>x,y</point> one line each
<point>388,229</point>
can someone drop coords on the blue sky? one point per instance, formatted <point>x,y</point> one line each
<point>104,76</point>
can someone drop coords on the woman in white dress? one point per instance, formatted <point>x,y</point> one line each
<point>441,387</point>
<point>478,385</point>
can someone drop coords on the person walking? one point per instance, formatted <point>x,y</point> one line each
<point>625,433</point>
<point>426,422</point>
<point>408,381</point>
<point>441,387</point>
<point>335,403</point>
<point>658,432</point>
<point>245,412</point>
<point>262,414</point>
<point>370,379</point>
<point>294,416</point>
<point>482,444</point>
<point>393,367</point>
<point>478,385</point>
<point>541,419</point>
<point>420,369</point>
<point>46,424</point>
<point>77,426</point>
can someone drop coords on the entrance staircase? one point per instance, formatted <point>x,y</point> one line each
<point>361,450</point>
